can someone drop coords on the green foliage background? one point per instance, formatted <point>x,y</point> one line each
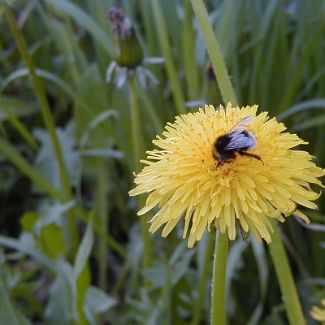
<point>75,256</point>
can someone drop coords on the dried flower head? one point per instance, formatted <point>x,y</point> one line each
<point>318,313</point>
<point>121,24</point>
<point>129,53</point>
<point>187,178</point>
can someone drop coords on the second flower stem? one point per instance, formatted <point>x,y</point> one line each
<point>285,278</point>
<point>138,151</point>
<point>218,290</point>
<point>204,275</point>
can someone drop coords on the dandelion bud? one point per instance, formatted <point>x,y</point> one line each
<point>129,51</point>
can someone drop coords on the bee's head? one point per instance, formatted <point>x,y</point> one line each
<point>221,142</point>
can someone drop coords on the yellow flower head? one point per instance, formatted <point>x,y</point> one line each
<point>185,178</point>
<point>318,313</point>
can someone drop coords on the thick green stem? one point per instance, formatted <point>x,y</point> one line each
<point>102,180</point>
<point>138,151</point>
<point>214,51</point>
<point>285,278</point>
<point>218,290</point>
<point>48,121</point>
<point>204,274</point>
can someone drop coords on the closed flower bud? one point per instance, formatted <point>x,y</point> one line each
<point>129,52</point>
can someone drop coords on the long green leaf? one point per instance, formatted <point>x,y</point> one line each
<point>310,123</point>
<point>303,106</point>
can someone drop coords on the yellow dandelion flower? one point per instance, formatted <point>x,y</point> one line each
<point>187,180</point>
<point>318,313</point>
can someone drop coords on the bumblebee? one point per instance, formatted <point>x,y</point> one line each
<point>237,140</point>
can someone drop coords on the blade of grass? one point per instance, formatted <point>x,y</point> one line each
<point>303,106</point>
<point>21,129</point>
<point>295,76</point>
<point>190,65</point>
<point>167,52</point>
<point>24,166</point>
<point>318,120</point>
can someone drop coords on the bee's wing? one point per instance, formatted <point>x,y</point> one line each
<point>240,126</point>
<point>240,140</point>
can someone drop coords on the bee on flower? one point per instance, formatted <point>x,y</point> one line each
<point>226,167</point>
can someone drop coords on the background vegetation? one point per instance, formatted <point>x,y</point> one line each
<point>71,244</point>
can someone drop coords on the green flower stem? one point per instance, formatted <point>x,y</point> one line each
<point>285,278</point>
<point>48,121</point>
<point>219,67</point>
<point>218,290</point>
<point>204,274</point>
<point>102,180</point>
<point>138,151</point>
<point>218,308</point>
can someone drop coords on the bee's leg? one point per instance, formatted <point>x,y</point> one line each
<point>244,153</point>
<point>218,163</point>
